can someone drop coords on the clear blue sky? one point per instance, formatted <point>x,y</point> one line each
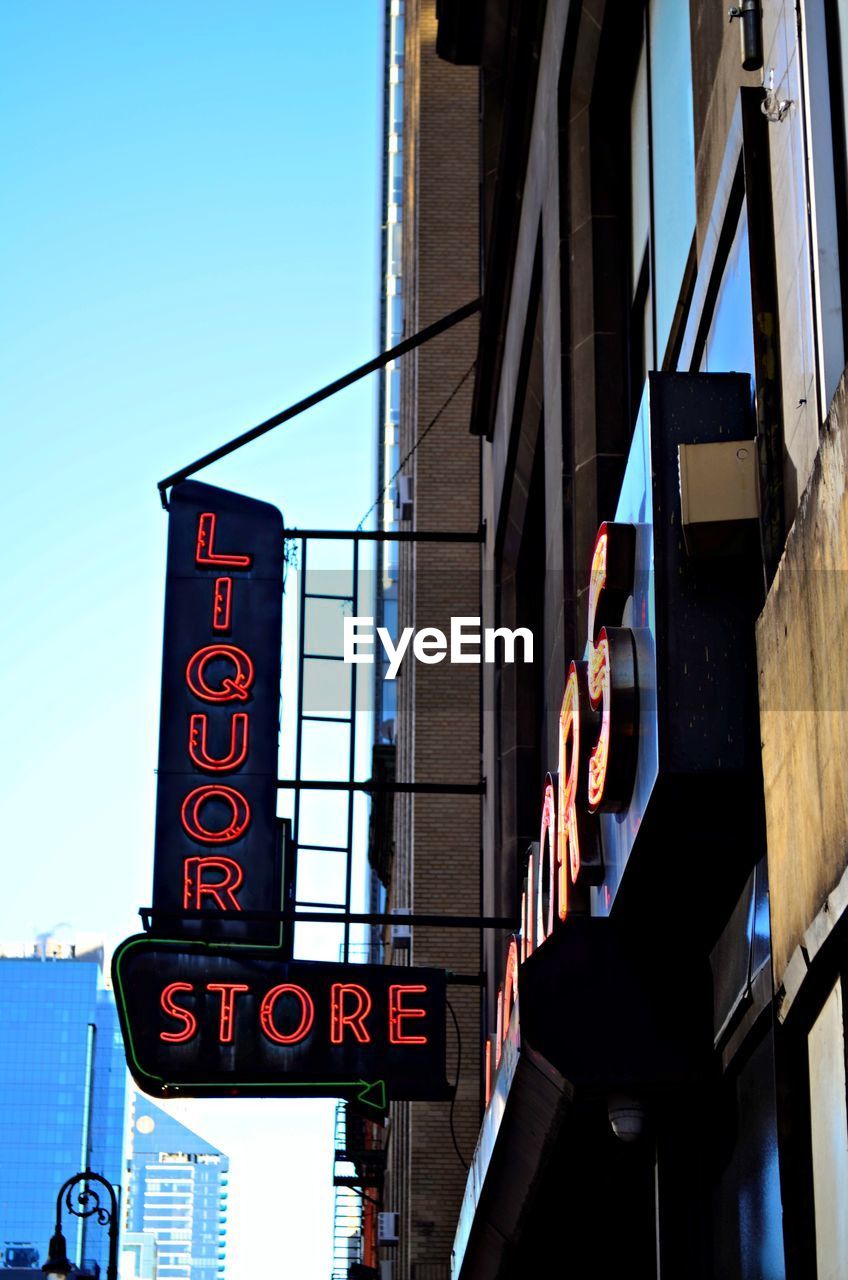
<point>189,217</point>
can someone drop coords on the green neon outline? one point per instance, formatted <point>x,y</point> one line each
<point>254,946</point>
<point>137,940</point>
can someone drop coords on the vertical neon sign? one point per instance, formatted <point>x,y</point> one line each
<point>597,748</point>
<point>216,839</point>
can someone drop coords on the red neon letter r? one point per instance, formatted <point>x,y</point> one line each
<point>355,1019</point>
<point>196,887</point>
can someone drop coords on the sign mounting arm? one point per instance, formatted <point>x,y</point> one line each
<point>253,433</point>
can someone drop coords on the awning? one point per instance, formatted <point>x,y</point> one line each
<point>596,1014</point>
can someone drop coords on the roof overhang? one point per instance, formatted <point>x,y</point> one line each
<point>595,1015</point>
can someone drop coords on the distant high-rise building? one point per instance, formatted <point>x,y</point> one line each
<point>63,1089</point>
<point>178,1195</point>
<point>139,1256</point>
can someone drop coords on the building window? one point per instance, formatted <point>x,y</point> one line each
<point>837,23</point>
<point>827,86</point>
<point>395,242</point>
<point>672,155</point>
<point>662,184</point>
<point>641,311</point>
<point>829,1131</point>
<point>396,321</point>
<point>729,345</point>
<point>397,107</point>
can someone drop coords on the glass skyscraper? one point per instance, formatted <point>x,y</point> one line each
<point>178,1194</point>
<point>63,1089</point>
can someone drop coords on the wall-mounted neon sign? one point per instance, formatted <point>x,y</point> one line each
<point>597,743</point>
<point>204,1019</point>
<point>218,1006</point>
<point>216,838</point>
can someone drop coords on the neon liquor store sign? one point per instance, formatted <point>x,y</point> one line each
<point>218,1006</point>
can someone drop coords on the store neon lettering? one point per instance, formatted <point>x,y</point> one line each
<point>348,1016</point>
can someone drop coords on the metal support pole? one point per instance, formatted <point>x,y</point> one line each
<point>431,920</point>
<point>351,765</point>
<point>474,536</point>
<point>298,750</point>
<point>377,788</point>
<point>408,344</point>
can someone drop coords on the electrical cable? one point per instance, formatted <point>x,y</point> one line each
<point>425,432</point>
<point>462,1159</point>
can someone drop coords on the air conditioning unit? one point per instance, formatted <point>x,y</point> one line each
<point>387,1228</point>
<point>401,934</point>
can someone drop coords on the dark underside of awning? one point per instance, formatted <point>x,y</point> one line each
<point>598,1015</point>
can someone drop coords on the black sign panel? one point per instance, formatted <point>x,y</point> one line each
<point>206,1020</point>
<point>216,832</point>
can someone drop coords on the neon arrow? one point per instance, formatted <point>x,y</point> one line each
<point>372,1093</point>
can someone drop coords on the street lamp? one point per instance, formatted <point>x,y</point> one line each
<point>57,1265</point>
<point>88,1205</point>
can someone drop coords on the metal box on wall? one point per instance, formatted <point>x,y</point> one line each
<point>693,621</point>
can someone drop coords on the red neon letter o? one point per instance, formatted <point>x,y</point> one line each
<point>233,688</point>
<point>193,803</point>
<point>266,1013</point>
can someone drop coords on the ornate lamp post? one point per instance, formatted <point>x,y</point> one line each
<point>88,1205</point>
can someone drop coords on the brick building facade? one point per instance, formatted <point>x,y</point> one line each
<point>436,864</point>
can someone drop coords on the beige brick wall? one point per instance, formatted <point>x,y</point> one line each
<point>437,838</point>
<point>804,699</point>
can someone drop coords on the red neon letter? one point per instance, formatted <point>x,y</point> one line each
<point>228,999</point>
<point>528,912</point>
<point>568,835</point>
<point>239,814</point>
<point>175,1011</point>
<point>232,688</point>
<point>612,670</point>
<point>544,919</point>
<point>266,1013</point>
<point>499,1024</point>
<point>599,692</point>
<point>397,1013</point>
<point>195,886</point>
<point>507,996</point>
<point>206,554</point>
<point>198,750</point>
<point>356,1019</point>
<point>222,604</point>
<point>578,845</point>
